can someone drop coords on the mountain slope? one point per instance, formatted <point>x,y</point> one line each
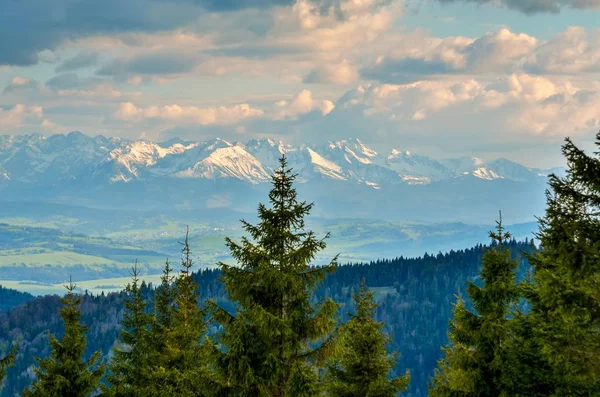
<point>346,177</point>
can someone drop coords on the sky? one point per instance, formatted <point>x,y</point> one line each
<point>446,78</point>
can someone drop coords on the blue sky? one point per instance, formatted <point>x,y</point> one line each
<point>490,78</point>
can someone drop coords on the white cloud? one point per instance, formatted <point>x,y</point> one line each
<point>339,73</point>
<point>221,115</point>
<point>573,51</point>
<point>325,37</point>
<point>302,103</point>
<point>515,110</point>
<point>19,84</point>
<point>20,115</point>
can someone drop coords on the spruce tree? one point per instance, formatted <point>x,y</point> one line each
<point>6,362</point>
<point>162,320</point>
<point>163,301</point>
<point>270,345</point>
<point>564,295</point>
<point>475,361</point>
<point>363,367</point>
<point>160,325</point>
<point>182,368</point>
<point>65,373</point>
<point>129,367</point>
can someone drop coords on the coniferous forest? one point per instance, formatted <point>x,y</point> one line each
<point>506,319</point>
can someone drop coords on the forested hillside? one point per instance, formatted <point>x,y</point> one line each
<point>415,296</point>
<point>10,298</point>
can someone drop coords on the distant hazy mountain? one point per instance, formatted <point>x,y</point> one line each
<point>346,178</point>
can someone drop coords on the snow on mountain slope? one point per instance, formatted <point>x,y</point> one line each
<point>359,163</point>
<point>486,173</point>
<point>146,153</point>
<point>352,150</point>
<point>514,171</point>
<point>462,164</point>
<point>416,169</point>
<point>232,161</point>
<point>32,158</point>
<point>267,151</point>
<point>134,157</point>
<point>326,167</point>
<point>35,159</point>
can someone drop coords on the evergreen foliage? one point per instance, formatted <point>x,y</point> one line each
<point>277,338</point>
<point>65,373</point>
<point>475,361</point>
<point>162,322</point>
<point>182,367</point>
<point>10,298</point>
<point>6,362</point>
<point>129,366</point>
<point>564,322</point>
<point>413,296</point>
<point>363,367</point>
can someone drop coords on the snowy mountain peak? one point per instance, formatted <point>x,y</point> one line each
<point>395,153</point>
<point>77,157</point>
<point>354,145</point>
<point>325,166</point>
<point>231,161</point>
<point>485,173</point>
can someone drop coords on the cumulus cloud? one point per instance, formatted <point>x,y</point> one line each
<point>19,115</point>
<point>301,104</point>
<point>340,73</point>
<point>536,6</point>
<point>517,107</point>
<point>19,84</point>
<point>573,51</point>
<point>221,115</point>
<point>502,51</point>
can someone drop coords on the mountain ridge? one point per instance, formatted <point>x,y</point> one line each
<point>345,178</point>
<point>35,158</point>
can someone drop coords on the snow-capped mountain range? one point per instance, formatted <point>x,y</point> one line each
<point>75,156</point>
<point>345,179</point>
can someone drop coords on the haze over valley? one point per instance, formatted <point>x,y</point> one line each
<point>93,205</point>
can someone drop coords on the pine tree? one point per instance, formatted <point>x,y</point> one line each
<point>183,366</point>
<point>6,362</point>
<point>268,347</point>
<point>564,295</point>
<point>364,366</point>
<point>163,303</point>
<point>475,362</point>
<point>65,373</point>
<point>162,320</point>
<point>160,325</point>
<point>129,367</point>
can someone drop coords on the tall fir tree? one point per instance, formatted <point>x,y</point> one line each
<point>475,361</point>
<point>65,373</point>
<point>6,362</point>
<point>162,320</point>
<point>270,345</point>
<point>129,368</point>
<point>182,368</point>
<point>565,299</point>
<point>364,367</point>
